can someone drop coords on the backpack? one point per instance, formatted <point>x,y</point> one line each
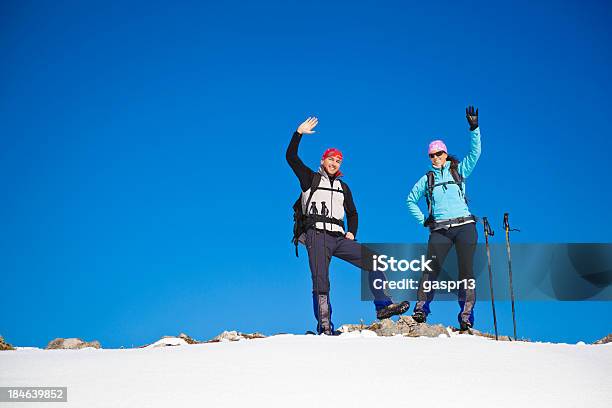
<point>300,222</point>
<point>458,179</point>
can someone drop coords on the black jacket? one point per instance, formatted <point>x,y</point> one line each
<point>305,175</point>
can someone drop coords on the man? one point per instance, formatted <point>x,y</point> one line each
<point>325,206</point>
<point>450,221</point>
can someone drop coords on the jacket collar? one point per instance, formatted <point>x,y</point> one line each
<point>324,174</point>
<point>445,166</point>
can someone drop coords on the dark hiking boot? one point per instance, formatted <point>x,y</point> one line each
<point>465,326</point>
<point>465,322</point>
<point>393,309</point>
<point>419,316</point>
<point>331,333</point>
<point>334,333</point>
<point>325,329</point>
<point>325,326</point>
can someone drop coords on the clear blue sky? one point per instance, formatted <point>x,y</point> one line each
<point>144,185</point>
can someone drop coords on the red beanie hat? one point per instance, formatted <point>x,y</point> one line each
<point>332,151</point>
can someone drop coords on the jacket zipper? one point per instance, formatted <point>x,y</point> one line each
<point>331,204</point>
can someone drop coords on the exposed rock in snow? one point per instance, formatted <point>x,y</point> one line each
<point>71,344</point>
<point>407,326</point>
<point>183,339</point>
<point>605,340</point>
<point>4,345</point>
<point>188,339</point>
<point>235,336</point>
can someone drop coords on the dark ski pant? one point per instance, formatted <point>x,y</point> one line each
<point>321,247</point>
<point>465,238</point>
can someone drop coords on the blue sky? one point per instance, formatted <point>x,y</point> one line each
<point>145,189</point>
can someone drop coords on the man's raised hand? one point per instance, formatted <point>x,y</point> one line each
<point>308,125</point>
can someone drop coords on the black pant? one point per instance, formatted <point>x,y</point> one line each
<point>322,246</point>
<point>465,238</point>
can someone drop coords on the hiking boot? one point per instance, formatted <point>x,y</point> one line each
<point>419,316</point>
<point>392,310</point>
<point>465,326</point>
<point>325,329</point>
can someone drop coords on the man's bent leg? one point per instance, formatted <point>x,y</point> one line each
<point>351,252</point>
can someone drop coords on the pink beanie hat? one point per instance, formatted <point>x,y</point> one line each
<point>436,146</point>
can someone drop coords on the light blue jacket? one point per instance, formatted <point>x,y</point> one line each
<point>448,202</point>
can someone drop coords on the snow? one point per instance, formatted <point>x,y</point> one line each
<point>168,341</point>
<point>352,370</point>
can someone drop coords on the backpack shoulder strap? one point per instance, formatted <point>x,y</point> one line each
<point>298,214</point>
<point>454,170</point>
<point>316,180</point>
<point>429,191</point>
<point>430,182</point>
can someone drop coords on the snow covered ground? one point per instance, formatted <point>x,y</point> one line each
<point>352,370</point>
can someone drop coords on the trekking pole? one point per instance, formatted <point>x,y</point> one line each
<point>325,213</point>
<point>314,212</point>
<point>508,229</point>
<point>488,231</point>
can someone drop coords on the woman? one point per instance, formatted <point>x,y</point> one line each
<point>449,220</point>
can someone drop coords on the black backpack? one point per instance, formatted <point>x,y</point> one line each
<point>300,222</point>
<point>458,179</point>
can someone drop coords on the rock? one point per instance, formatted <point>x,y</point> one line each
<point>188,339</point>
<point>71,344</point>
<point>347,328</point>
<point>490,336</point>
<point>251,336</point>
<point>183,339</point>
<point>408,327</point>
<point>228,336</point>
<point>386,328</point>
<point>430,331</point>
<point>478,333</point>
<point>405,326</point>
<point>4,345</point>
<point>236,336</point>
<point>605,340</point>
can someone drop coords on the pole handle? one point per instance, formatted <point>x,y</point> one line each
<point>313,208</point>
<point>324,209</point>
<point>487,227</point>
<point>507,224</point>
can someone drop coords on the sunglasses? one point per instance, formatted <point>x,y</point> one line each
<point>436,154</point>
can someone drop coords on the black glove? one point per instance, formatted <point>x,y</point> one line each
<point>472,117</point>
